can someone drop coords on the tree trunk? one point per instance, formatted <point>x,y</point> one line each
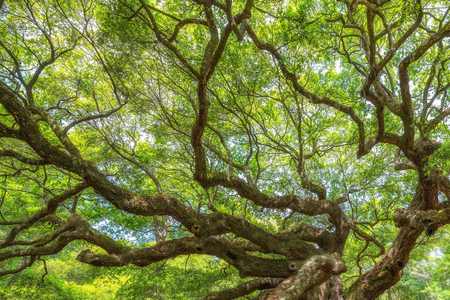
<point>329,290</point>
<point>317,279</point>
<point>388,270</point>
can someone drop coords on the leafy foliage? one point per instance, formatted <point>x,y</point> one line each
<point>174,149</point>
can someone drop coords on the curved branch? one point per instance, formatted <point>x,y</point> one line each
<point>407,107</point>
<point>22,158</point>
<point>314,272</point>
<point>51,207</point>
<point>244,289</point>
<point>306,93</point>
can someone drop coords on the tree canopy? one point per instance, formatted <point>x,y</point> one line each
<point>224,149</point>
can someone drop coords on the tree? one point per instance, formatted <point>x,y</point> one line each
<point>273,135</point>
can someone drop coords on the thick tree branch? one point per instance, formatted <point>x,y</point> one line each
<point>245,289</point>
<point>314,272</point>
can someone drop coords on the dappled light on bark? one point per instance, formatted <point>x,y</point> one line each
<point>304,145</point>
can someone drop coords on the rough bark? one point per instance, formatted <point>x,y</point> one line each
<point>309,257</point>
<point>418,218</point>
